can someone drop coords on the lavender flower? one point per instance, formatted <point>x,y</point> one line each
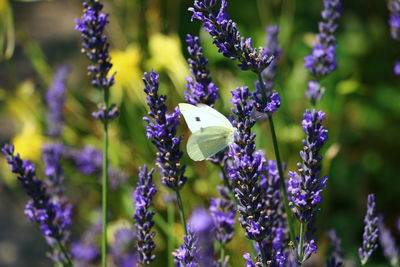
<point>394,20</point>
<point>396,68</point>
<point>322,60</point>
<point>336,260</point>
<point>275,242</point>
<point>162,131</point>
<point>250,262</point>
<point>52,154</point>
<point>55,99</point>
<point>95,43</point>
<point>227,37</point>
<point>202,224</point>
<point>95,47</point>
<point>88,161</point>
<point>271,48</point>
<point>223,214</point>
<point>200,88</point>
<point>53,217</point>
<point>247,168</point>
<point>371,232</point>
<point>197,250</point>
<point>123,249</point>
<point>187,255</point>
<point>388,244</point>
<point>143,216</point>
<point>86,251</point>
<point>305,187</point>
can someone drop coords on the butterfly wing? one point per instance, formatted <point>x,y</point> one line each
<point>208,141</point>
<point>202,116</point>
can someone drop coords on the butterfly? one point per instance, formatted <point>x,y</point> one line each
<point>211,131</point>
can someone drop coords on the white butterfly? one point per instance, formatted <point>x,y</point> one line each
<point>211,131</point>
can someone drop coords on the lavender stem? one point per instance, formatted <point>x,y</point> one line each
<point>300,248</point>
<point>171,242</point>
<point>105,183</point>
<point>279,164</point>
<point>64,252</point>
<point>181,211</point>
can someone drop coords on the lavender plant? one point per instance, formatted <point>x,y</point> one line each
<point>123,249</point>
<point>371,232</point>
<point>394,23</point>
<point>336,259</point>
<point>388,244</point>
<point>306,186</point>
<point>200,88</point>
<point>143,216</point>
<point>233,46</point>
<point>55,99</point>
<point>162,131</point>
<point>95,47</point>
<point>53,217</point>
<point>322,59</point>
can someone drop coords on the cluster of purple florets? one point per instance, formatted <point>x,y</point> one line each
<point>161,129</point>
<point>371,231</point>
<point>227,37</point>
<point>322,59</point>
<point>247,169</point>
<point>143,216</point>
<point>200,88</point>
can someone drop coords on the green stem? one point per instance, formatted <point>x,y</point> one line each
<point>181,212</point>
<point>301,242</point>
<point>171,241</point>
<point>222,254</point>
<point>264,258</point>
<point>279,164</point>
<point>64,252</point>
<point>104,184</point>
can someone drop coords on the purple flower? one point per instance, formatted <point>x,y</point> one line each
<point>388,244</point>
<point>162,130</point>
<point>305,187</point>
<point>336,260</point>
<point>200,88</point>
<point>187,255</point>
<point>322,59</point>
<point>52,154</point>
<point>55,99</point>
<point>247,168</point>
<point>266,101</point>
<point>249,261</point>
<point>271,48</point>
<point>227,37</point>
<point>53,216</point>
<point>123,249</point>
<point>143,216</point>
<point>394,20</point>
<point>198,247</point>
<point>86,251</point>
<point>84,254</point>
<point>95,43</point>
<point>315,91</point>
<point>202,224</point>
<point>371,232</point>
<point>396,68</point>
<point>88,161</point>
<point>223,212</point>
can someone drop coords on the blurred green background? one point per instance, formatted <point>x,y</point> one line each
<point>362,102</point>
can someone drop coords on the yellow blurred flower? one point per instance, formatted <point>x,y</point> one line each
<point>126,65</point>
<point>166,54</point>
<point>22,106</point>
<point>28,143</point>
